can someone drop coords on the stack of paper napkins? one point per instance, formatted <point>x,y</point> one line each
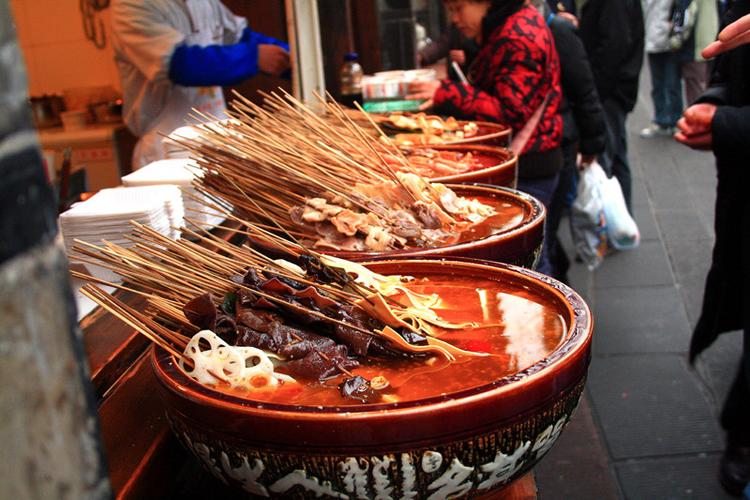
<point>107,216</point>
<point>177,172</point>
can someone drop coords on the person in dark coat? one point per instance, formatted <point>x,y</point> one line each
<point>613,34</point>
<point>721,121</point>
<point>584,127</point>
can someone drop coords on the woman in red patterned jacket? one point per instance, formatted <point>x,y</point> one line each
<point>515,76</point>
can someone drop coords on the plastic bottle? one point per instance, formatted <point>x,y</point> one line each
<point>351,80</point>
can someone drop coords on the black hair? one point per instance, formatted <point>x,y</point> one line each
<point>498,13</point>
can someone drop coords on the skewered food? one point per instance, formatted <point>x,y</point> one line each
<point>334,186</point>
<point>313,315</point>
<point>429,129</point>
<point>311,328</point>
<point>436,163</point>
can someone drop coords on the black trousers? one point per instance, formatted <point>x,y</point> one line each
<point>735,415</point>
<point>615,158</point>
<point>560,202</point>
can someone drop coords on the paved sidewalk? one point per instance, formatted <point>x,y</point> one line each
<point>648,427</point>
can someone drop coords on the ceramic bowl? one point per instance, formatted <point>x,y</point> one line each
<point>463,444</point>
<point>519,244</point>
<point>500,165</point>
<point>490,134</point>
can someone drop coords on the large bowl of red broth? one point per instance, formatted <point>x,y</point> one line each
<point>465,163</point>
<point>449,429</point>
<point>514,235</point>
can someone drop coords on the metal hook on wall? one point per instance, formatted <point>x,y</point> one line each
<point>93,26</point>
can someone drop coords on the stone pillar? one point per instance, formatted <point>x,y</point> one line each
<point>48,422</point>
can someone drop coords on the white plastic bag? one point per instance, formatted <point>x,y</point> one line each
<point>587,221</point>
<point>622,231</point>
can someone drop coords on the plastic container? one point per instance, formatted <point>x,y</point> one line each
<point>385,91</point>
<point>387,106</point>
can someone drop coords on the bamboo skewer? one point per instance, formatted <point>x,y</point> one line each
<point>170,273</point>
<point>256,168</point>
<point>269,159</point>
<point>132,318</point>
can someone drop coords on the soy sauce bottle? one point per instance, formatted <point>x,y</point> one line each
<point>351,80</point>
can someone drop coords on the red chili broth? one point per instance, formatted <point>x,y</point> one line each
<point>531,331</point>
<point>479,161</point>
<point>509,215</point>
<point>485,160</point>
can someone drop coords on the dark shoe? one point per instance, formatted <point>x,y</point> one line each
<point>734,472</point>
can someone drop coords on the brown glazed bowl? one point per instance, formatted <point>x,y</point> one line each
<point>490,134</point>
<point>519,245</point>
<point>460,445</point>
<point>500,165</point>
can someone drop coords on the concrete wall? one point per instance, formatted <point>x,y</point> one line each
<point>49,427</point>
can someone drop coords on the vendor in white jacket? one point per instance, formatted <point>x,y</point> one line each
<point>174,55</point>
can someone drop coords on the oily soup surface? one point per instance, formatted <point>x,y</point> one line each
<point>524,330</point>
<point>508,216</point>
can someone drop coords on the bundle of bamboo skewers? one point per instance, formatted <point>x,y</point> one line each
<point>284,164</point>
<point>286,144</point>
<point>170,273</point>
<point>258,167</point>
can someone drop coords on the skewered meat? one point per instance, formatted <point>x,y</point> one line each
<point>322,363</point>
<point>413,213</point>
<point>256,321</point>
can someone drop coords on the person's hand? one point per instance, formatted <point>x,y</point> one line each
<point>697,119</point>
<point>458,56</point>
<point>695,126</point>
<point>734,35</point>
<point>586,160</point>
<point>568,17</point>
<point>272,59</point>
<point>423,91</point>
<point>703,142</point>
